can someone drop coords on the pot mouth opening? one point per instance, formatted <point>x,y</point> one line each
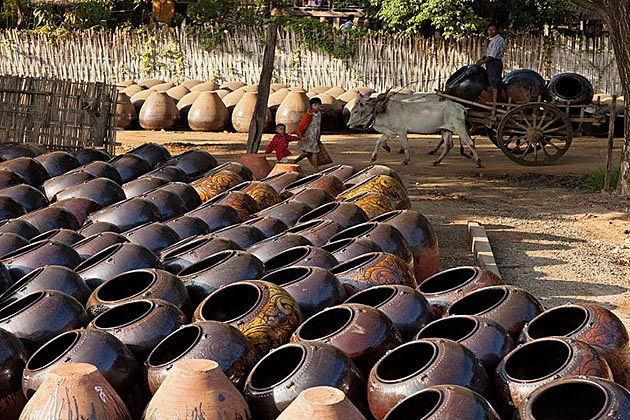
<point>478,302</point>
<point>241,186</point>
<point>326,323</point>
<point>456,328</point>
<point>562,321</point>
<point>418,406</point>
<point>319,212</point>
<point>28,248</point>
<point>52,351</point>
<point>537,360</point>
<point>335,246</point>
<point>126,285</point>
<point>287,258</point>
<point>383,218</point>
<point>448,280</point>
<point>572,400</point>
<point>303,181</point>
<point>98,257</point>
<point>21,283</point>
<point>188,246</point>
<point>123,315</point>
<point>569,87</point>
<point>21,305</point>
<point>355,231</point>
<point>306,226</point>
<point>217,198</point>
<point>406,361</point>
<point>289,275</point>
<point>374,296</point>
<point>175,346</point>
<point>277,367</point>
<point>354,263</point>
<point>207,263</point>
<point>46,235</point>
<point>231,303</point>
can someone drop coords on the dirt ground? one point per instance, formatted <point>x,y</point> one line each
<point>550,235</point>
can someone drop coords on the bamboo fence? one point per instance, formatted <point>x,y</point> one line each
<point>423,64</point>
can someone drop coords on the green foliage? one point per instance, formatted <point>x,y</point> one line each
<point>595,181</point>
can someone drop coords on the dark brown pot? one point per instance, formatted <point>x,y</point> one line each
<point>85,156</point>
<point>57,163</point>
<point>168,174</point>
<point>186,192</point>
<point>576,398</point>
<point>347,249</point>
<point>65,236</point>
<point>236,167</point>
<point>28,168</point>
<point>279,181</point>
<point>154,236</point>
<point>305,256</point>
<point>592,324</point>
<point>373,269</point>
<point>139,186</point>
<point>190,251</point>
<point>269,248</point>
<point>369,172</point>
<point>140,324</point>
<point>244,235</point>
<point>444,288</point>
<point>408,309</point>
<point>194,162</point>
<point>130,167</point>
<point>373,203</point>
<point>269,226</point>
<point>317,231</point>
<point>363,333</point>
<point>187,226</point>
<point>5,278</point>
<point>55,185</point>
<point>81,208</point>
<point>9,208</point>
<point>9,178</point>
<point>313,288</point>
<point>13,358</point>
<point>264,312</point>
<point>93,244</point>
<point>383,184</point>
<point>101,190</point>
<point>19,150</point>
<point>101,170</point>
<point>488,341</point>
<point>169,204</point>
<point>542,361</point>
<point>90,228</point>
<point>114,260</point>
<point>38,254</point>
<point>216,216</point>
<point>332,185</point>
<point>137,285</point>
<point>28,196</point>
<point>418,365</point>
<point>342,172</point>
<point>343,213</point>
<point>50,218</point>
<point>288,212</point>
<point>312,197</point>
<point>281,375</point>
<point>239,201</point>
<point>9,242</point>
<point>41,316</point>
<point>264,194</point>
<point>218,270</point>
<point>154,153</point>
<point>510,307</point>
<point>128,213</point>
<point>50,277</point>
<point>441,402</point>
<point>19,227</point>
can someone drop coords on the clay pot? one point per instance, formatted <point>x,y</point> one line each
<point>570,88</point>
<point>312,197</point>
<point>130,166</point>
<point>19,227</point>
<point>275,99</point>
<point>19,150</point>
<point>321,402</point>
<point>407,309</point>
<point>9,208</point>
<point>87,155</point>
<point>89,246</point>
<point>103,191</point>
<point>140,186</point>
<point>542,361</point>
<point>508,306</point>
<point>128,213</point>
<point>90,228</point>
<point>57,163</point>
<point>132,90</point>
<point>304,256</point>
<point>50,218</point>
<point>148,83</point>
<point>346,249</point>
<point>244,235</point>
<point>232,99</point>
<point>264,195</point>
<point>194,162</point>
<point>216,216</point>
<point>232,85</point>
<point>289,212</point>
<point>8,178</point>
<point>269,248</point>
<point>373,269</point>
<point>444,288</point>
<point>50,277</point>
<point>373,203</point>
<point>345,214</point>
<point>185,103</point>
<point>59,183</point>
<point>65,236</point>
<point>280,180</point>
<point>418,365</point>
<point>168,203</point>
<point>28,168</point>
<point>267,225</point>
<point>203,340</point>
<point>154,153</point>
<point>573,398</point>
<point>488,341</point>
<point>74,391</point>
<point>9,242</point>
<point>468,82</point>
<point>81,208</point>
<point>369,172</point>
<point>38,254</point>
<point>186,192</point>
<point>101,170</point>
<point>29,197</point>
<point>114,260</point>
<point>215,184</point>
<point>522,86</point>
<point>41,316</point>
<point>292,109</point>
<point>158,112</point>
<point>256,163</point>
<point>190,251</point>
<point>208,113</point>
<point>342,172</point>
<point>244,110</point>
<point>125,111</point>
<point>313,288</point>
<point>6,280</point>
<point>187,226</point>
<point>235,167</point>
<point>383,184</point>
<point>592,324</point>
<point>444,402</point>
<point>177,92</point>
<point>328,183</point>
<point>265,313</point>
<point>153,236</point>
<point>168,174</point>
<point>317,231</point>
<point>13,358</point>
<point>201,87</point>
<point>278,379</point>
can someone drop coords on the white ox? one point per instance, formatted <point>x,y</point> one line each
<point>398,115</point>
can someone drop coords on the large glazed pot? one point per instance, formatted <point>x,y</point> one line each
<point>9,242</point>
<point>347,249</point>
<point>287,211</point>
<point>194,162</point>
<point>236,167</point>
<point>283,374</point>
<point>187,226</point>
<point>216,216</point>
<point>373,203</point>
<point>469,82</point>
<point>59,183</point>
<point>190,251</point>
<point>264,195</point>
<point>202,340</point>
<point>304,256</point>
<point>342,172</point>
<point>38,254</point>
<point>28,168</point>
<point>383,184</point>
<point>13,358</point>
<point>312,197</point>
<point>130,167</point>
<point>10,208</point>
<point>65,236</point>
<point>244,235</point>
<point>93,244</point>
<point>154,236</point>
<point>570,88</point>
<point>168,174</point>
<point>269,226</point>
<point>291,110</point>
<point>128,213</point>
<point>363,333</point>
<point>19,150</point>
<point>158,112</point>
<point>239,201</point>
<point>92,228</point>
<point>331,184</point>
<point>81,208</point>
<point>9,178</point>
<point>522,86</point>
<point>342,213</point>
<point>101,169</point>
<point>322,402</point>
<point>208,113</point>
<point>50,218</point>
<point>89,155</point>
<point>28,196</point>
<point>57,163</point>
<point>5,278</point>
<point>19,227</point>
<point>125,111</point>
<point>317,231</point>
<point>50,277</point>
<point>169,204</point>
<point>369,172</point>
<point>186,192</point>
<point>141,185</point>
<point>213,185</point>
<point>104,191</point>
<point>280,180</point>
<point>269,248</point>
<point>418,365</point>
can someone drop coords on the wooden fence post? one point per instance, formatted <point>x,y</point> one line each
<point>611,140</point>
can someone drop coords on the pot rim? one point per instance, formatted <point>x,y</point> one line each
<point>152,306</point>
<point>474,319</point>
<point>475,272</point>
<point>299,365</point>
<point>390,354</point>
<point>77,336</point>
<point>243,315</point>
<point>305,270</point>
<point>536,342</point>
<point>587,318</point>
<point>26,249</point>
<point>506,294</point>
<point>34,297</point>
<point>181,354</point>
<point>431,390</point>
<point>332,334</point>
<point>584,380</point>
<point>390,287</point>
<point>222,256</point>
<point>151,283</point>
<point>99,257</point>
<point>364,230</point>
<point>355,262</point>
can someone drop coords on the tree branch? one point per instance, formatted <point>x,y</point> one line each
<point>596,6</point>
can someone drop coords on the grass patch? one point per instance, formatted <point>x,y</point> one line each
<point>595,180</point>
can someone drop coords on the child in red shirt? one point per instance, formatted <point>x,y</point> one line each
<point>280,144</point>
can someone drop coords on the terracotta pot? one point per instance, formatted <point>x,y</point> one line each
<point>87,155</point>
<point>141,185</point>
<point>65,236</point>
<point>443,402</point>
<point>371,171</point>
<point>322,402</point>
<point>202,340</point>
<point>244,110</point>
<point>216,216</point>
<point>19,150</point>
<point>103,191</point>
<point>317,231</point>
<point>57,163</point>
<point>244,235</point>
<point>292,109</point>
<point>328,183</point>
<point>592,324</point>
<point>215,184</point>
<point>13,358</point>
<point>154,153</point>
<point>235,167</point>
<point>81,208</point>
<point>346,214</point>
<point>201,87</point>
<point>264,195</point>
<point>373,203</point>
<point>189,84</point>
<point>194,162</point>
<point>342,172</point>
<point>114,260</point>
<point>125,111</point>
<point>418,365</point>
<point>363,333</point>
<point>29,197</point>
<point>89,246</point>
<point>63,182</point>
<point>50,277</point>
<point>256,163</point>
<point>232,85</point>
<point>508,306</point>
<point>168,203</point>
<point>19,227</point>
<point>542,361</point>
<point>312,197</point>
<point>101,170</point>
<point>9,242</point>
<point>408,309</point>
<point>185,103</point>
<point>8,178</point>
<point>50,218</point>
<point>132,90</point>
<point>130,166</point>
<point>373,269</point>
<point>444,288</point>
<point>572,398</point>
<point>289,212</point>
<point>269,226</point>
<point>187,226</point>
<point>262,311</point>
<point>276,98</point>
<point>90,228</point>
<point>208,113</point>
<point>488,341</point>
<point>177,92</point>
<point>269,248</point>
<point>148,83</point>
<point>128,213</point>
<point>346,249</point>
<point>41,316</point>
<point>186,192</point>
<point>232,99</point>
<point>28,168</point>
<point>38,254</point>
<point>313,288</point>
<point>222,93</point>
<point>153,236</point>
<point>74,391</point>
<point>158,112</point>
<point>168,174</point>
<point>280,180</point>
<point>9,208</point>
<point>278,379</point>
<point>304,256</point>
<point>383,184</point>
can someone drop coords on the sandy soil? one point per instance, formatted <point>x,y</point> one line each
<point>549,234</point>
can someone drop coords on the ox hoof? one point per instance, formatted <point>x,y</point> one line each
<point>387,149</point>
<point>435,163</point>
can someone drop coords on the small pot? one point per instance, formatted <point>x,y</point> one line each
<point>332,185</point>
<point>88,155</point>
<point>50,218</point>
<point>38,254</point>
<point>65,236</point>
<point>139,186</point>
<point>153,153</point>
<point>263,194</point>
<point>342,172</point>
<point>317,231</point>
<point>169,204</point>
<point>90,228</point>
<point>269,226</point>
<point>312,197</point>
<point>190,251</point>
<point>187,226</point>
<point>215,184</point>
<point>288,212</point>
<point>383,184</point>
<point>244,235</point>
<point>128,213</point>
<point>130,167</point>
<point>81,208</point>
<point>50,277</point>
<point>154,236</point>
<point>19,227</point>
<point>256,163</point>
<point>264,312</point>
<point>202,340</point>
<point>28,168</point>
<point>347,249</point>
<point>101,170</point>
<point>13,358</point>
<point>57,163</point>
<point>269,248</point>
<point>28,196</point>
<point>216,216</point>
<point>9,178</point>
<point>280,180</point>
<point>9,242</point>
<point>194,162</point>
<point>93,244</point>
<point>305,256</point>
<point>373,203</point>
<point>168,174</point>
<point>101,190</point>
<point>369,172</point>
<point>344,213</point>
<point>239,201</point>
<point>9,208</point>
<point>278,379</point>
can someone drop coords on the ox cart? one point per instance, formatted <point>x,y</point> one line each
<point>533,133</point>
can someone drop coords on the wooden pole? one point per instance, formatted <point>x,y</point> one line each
<point>611,141</point>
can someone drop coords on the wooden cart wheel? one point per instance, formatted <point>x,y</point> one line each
<point>535,134</point>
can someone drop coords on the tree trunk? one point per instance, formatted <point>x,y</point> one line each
<point>20,14</point>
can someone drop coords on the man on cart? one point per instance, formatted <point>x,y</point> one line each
<point>494,60</point>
